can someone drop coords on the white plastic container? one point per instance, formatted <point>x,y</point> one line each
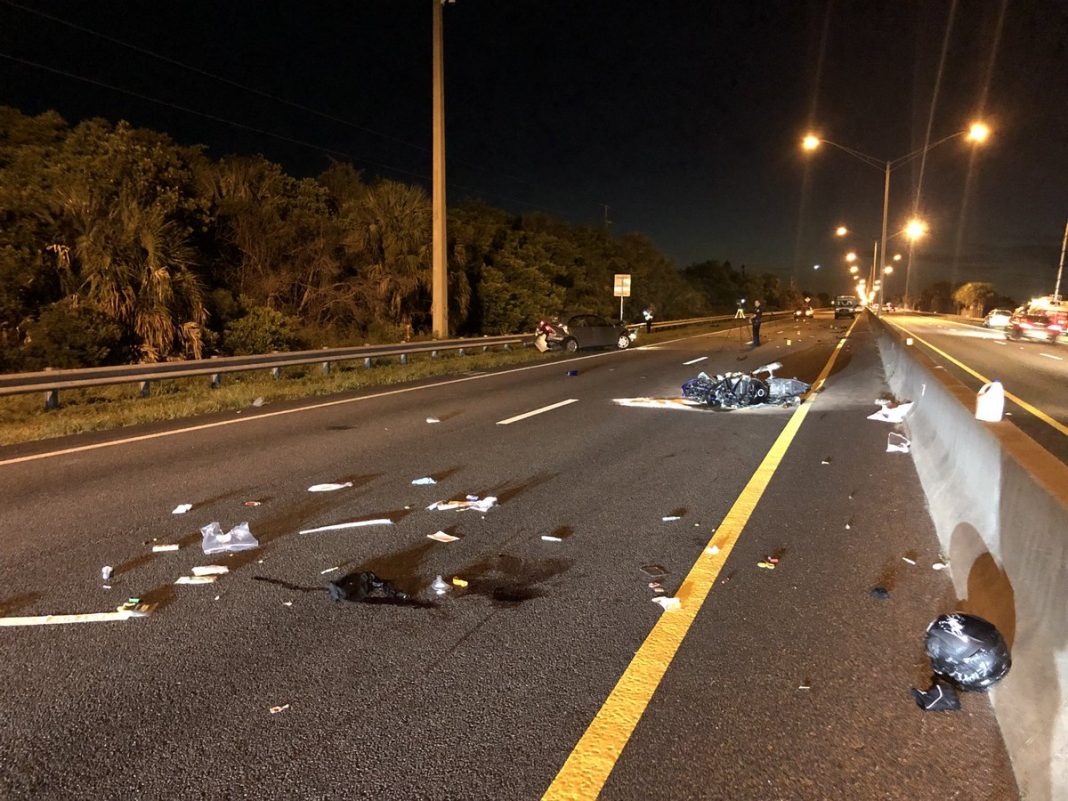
<point>990,402</point>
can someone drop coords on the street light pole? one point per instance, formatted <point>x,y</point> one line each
<point>886,206</point>
<point>908,276</point>
<point>1060,269</point>
<point>439,305</point>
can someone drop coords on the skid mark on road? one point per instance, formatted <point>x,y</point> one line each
<point>586,770</point>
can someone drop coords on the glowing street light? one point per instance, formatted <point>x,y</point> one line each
<point>851,256</point>
<point>897,257</point>
<point>854,269</point>
<point>978,132</point>
<point>915,229</point>
<point>841,230</point>
<point>888,270</point>
<point>815,266</point>
<point>810,142</point>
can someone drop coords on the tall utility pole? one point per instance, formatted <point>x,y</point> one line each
<point>882,240</point>
<point>1060,269</point>
<point>439,305</point>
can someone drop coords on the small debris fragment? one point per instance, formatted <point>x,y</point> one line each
<point>668,603</point>
<point>442,536</point>
<point>258,402</point>
<point>939,566</point>
<point>382,521</point>
<point>881,593</point>
<point>328,487</point>
<point>551,538</point>
<point>171,546</point>
<point>826,461</point>
<point>276,709</point>
<point>181,508</point>
<point>653,572</point>
<point>906,559</point>
<point>252,503</point>
<point>712,549</point>
<point>439,586</point>
<point>210,570</point>
<point>670,518</point>
<point>328,570</point>
<point>195,579</point>
<point>804,687</point>
<point>891,414</point>
<point>363,585</point>
<point>432,420</point>
<point>897,443</point>
<point>472,502</point>
<point>572,373</point>
<point>287,603</point>
<point>239,538</point>
<point>766,565</point>
<point>105,572</point>
<point>424,481</point>
<point>458,582</point>
<point>941,697</point>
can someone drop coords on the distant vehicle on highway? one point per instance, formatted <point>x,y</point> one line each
<point>888,307</point>
<point>804,311</point>
<point>997,318</point>
<point>1038,325</point>
<point>582,331</point>
<point>845,306</point>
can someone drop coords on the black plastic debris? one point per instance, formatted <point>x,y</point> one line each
<point>364,586</point>
<point>967,650</point>
<point>739,390</point>
<point>880,593</point>
<point>941,697</point>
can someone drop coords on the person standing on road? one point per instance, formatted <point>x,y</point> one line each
<point>647,314</point>
<point>758,314</point>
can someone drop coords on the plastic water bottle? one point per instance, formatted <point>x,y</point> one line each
<point>990,403</point>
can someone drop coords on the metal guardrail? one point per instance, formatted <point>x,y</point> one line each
<point>52,381</point>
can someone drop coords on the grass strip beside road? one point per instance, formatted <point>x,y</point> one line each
<point>586,770</point>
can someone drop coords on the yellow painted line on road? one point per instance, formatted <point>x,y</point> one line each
<point>586,770</point>
<point>1041,415</point>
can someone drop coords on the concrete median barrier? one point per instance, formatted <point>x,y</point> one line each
<point>999,502</point>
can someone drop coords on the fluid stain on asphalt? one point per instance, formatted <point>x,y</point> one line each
<point>509,581</point>
<point>506,492</point>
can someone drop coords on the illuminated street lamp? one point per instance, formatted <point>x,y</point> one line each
<point>851,256</point>
<point>815,266</point>
<point>977,133</point>
<point>915,229</point>
<point>854,269</point>
<point>888,269</point>
<point>897,257</point>
<point>841,230</point>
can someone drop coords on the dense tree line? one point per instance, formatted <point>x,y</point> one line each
<point>118,244</point>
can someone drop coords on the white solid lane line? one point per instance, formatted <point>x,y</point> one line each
<point>1048,356</point>
<point>695,361</point>
<point>525,415</point>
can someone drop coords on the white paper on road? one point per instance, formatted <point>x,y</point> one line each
<point>196,579</point>
<point>181,508</point>
<point>382,521</point>
<point>670,518</point>
<point>239,538</point>
<point>424,481</point>
<point>897,443</point>
<point>891,414</point>
<point>432,420</point>
<point>328,487</point>
<point>669,603</point>
<point>441,536</point>
<point>170,546</point>
<point>210,570</point>
<point>473,502</point>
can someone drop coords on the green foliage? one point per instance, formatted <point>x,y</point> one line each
<point>70,334</point>
<point>261,330</point>
<point>974,296</point>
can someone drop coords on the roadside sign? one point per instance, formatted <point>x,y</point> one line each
<point>622,289</point>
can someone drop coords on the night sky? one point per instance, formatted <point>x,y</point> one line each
<point>683,117</point>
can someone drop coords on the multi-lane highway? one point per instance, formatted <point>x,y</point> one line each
<point>551,672</point>
<point>1034,374</point>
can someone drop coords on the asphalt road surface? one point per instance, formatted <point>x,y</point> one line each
<point>551,673</point>
<point>1034,374</point>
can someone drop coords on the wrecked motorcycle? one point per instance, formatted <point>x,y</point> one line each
<point>740,390</point>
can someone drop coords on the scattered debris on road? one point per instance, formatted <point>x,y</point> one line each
<point>105,572</point>
<point>766,565</point>
<point>890,412</point>
<point>897,443</point>
<point>328,570</point>
<point>939,566</point>
<point>170,546</point>
<point>439,586</point>
<point>879,593</point>
<point>459,582</point>
<point>653,572</point>
<point>442,536</point>
<point>210,570</point>
<point>966,652</point>
<point>737,390</point>
<point>276,709</point>
<point>941,697</point>
<point>472,502</point>
<point>712,549</point>
<point>363,585</point>
<point>671,518</point>
<point>252,503</point>
<point>551,538</point>
<point>258,402</point>
<point>827,460</point>
<point>381,521</point>
<point>572,373</point>
<point>328,487</point>
<point>668,603</point>
<point>239,538</point>
<point>181,508</point>
<point>906,559</point>
<point>424,481</point>
<point>432,420</point>
<point>196,579</point>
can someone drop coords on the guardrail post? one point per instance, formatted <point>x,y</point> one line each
<point>367,362</point>
<point>276,373</point>
<point>216,380</point>
<point>404,358</point>
<point>326,368</point>
<point>52,399</point>
<point>144,389</point>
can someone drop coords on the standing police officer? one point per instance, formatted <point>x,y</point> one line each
<point>758,314</point>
